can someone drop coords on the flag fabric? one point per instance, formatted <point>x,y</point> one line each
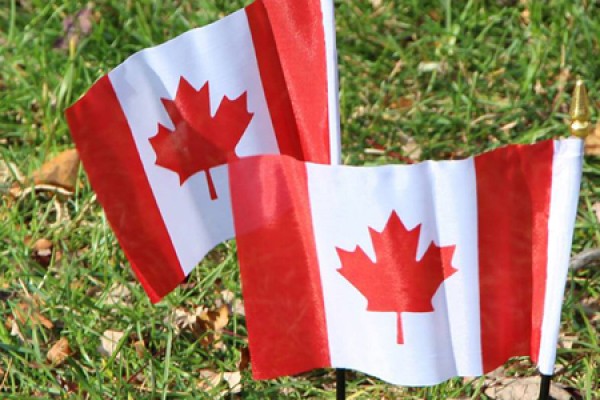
<point>154,134</point>
<point>410,273</point>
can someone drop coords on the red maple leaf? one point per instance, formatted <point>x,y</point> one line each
<point>397,282</point>
<point>199,141</point>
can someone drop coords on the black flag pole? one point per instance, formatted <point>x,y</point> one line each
<point>545,387</point>
<point>340,384</point>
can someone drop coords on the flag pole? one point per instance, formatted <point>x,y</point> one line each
<point>545,387</point>
<point>579,126</point>
<point>340,384</point>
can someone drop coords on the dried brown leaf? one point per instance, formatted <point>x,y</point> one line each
<point>27,312</point>
<point>526,17</point>
<point>567,341</point>
<point>61,171</point>
<point>118,294</point>
<point>412,149</point>
<point>238,307</point>
<point>140,348</point>
<point>221,319</point>
<point>527,388</point>
<point>244,359</point>
<point>109,342</point>
<point>376,4</point>
<point>205,325</point>
<point>402,103</point>
<point>13,326</point>
<point>209,325</point>
<point>67,385</point>
<point>181,319</point>
<point>432,66</point>
<point>228,296</point>
<point>59,352</point>
<point>42,250</point>
<point>233,380</point>
<point>592,143</point>
<point>209,379</point>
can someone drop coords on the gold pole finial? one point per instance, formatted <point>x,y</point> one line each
<point>580,111</point>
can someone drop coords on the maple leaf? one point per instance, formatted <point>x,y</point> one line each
<point>397,282</point>
<point>199,140</point>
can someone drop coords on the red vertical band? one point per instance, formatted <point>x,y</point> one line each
<point>289,40</point>
<point>108,152</point>
<point>513,201</point>
<point>273,82</point>
<point>280,273</point>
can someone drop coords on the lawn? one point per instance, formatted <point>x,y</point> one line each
<point>432,79</point>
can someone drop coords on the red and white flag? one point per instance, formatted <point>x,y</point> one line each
<point>154,134</point>
<point>413,274</point>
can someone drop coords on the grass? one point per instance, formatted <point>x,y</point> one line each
<point>459,77</point>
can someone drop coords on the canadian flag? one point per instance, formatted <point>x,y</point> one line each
<point>156,133</point>
<point>413,274</point>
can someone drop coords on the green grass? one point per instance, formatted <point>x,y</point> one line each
<point>504,77</point>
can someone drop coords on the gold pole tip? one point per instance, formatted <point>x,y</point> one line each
<point>580,111</point>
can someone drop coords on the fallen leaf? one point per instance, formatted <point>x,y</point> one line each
<point>75,27</point>
<point>109,342</point>
<point>204,324</point>
<point>59,352</point>
<point>118,294</point>
<point>244,359</point>
<point>221,319</point>
<point>61,171</point>
<point>412,149</point>
<point>228,296</point>
<point>209,326</point>
<point>237,307</point>
<point>41,252</point>
<point>233,380</point>
<point>527,388</point>
<point>592,142</point>
<point>66,385</point>
<point>435,15</point>
<point>567,341</point>
<point>15,331</point>
<point>181,319</point>
<point>432,66</point>
<point>209,379</point>
<point>526,17</point>
<point>26,312</point>
<point>140,348</point>
<point>403,103</point>
<point>376,4</point>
